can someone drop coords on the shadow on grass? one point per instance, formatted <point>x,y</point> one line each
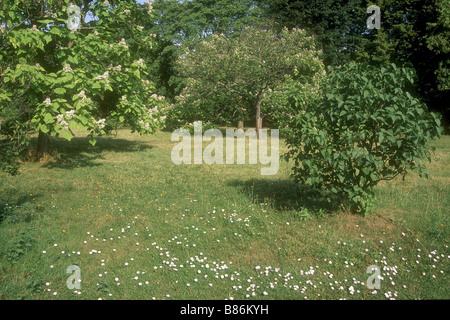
<point>79,153</point>
<point>286,195</point>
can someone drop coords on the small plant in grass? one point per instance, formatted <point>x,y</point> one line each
<point>103,287</point>
<point>368,127</point>
<point>34,286</point>
<point>19,245</point>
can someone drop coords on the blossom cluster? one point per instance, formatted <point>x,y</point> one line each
<point>150,111</point>
<point>101,123</point>
<point>70,113</point>
<point>155,96</point>
<point>84,98</point>
<point>61,122</point>
<point>123,43</point>
<point>60,119</point>
<point>105,76</point>
<point>145,125</point>
<point>67,68</point>
<point>117,68</point>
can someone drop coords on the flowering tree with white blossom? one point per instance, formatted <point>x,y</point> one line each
<point>56,78</point>
<point>250,74</point>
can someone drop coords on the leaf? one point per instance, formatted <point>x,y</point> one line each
<point>60,91</point>
<point>48,38</point>
<point>92,141</point>
<point>48,118</point>
<point>82,119</point>
<point>67,134</point>
<point>363,180</point>
<point>380,137</point>
<point>71,85</point>
<point>4,97</point>
<point>55,31</point>
<point>18,72</point>
<point>73,59</point>
<point>46,21</point>
<point>44,128</point>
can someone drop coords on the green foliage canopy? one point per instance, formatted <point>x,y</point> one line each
<point>57,79</point>
<point>240,76</point>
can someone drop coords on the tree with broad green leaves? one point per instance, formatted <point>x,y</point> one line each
<point>54,80</point>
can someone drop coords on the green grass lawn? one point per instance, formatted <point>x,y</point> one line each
<point>140,227</point>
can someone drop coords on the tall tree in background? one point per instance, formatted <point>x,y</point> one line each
<point>187,21</point>
<point>242,70</point>
<point>183,22</point>
<point>337,25</point>
<point>415,31</point>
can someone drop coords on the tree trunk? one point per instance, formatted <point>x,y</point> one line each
<point>43,145</point>
<point>258,109</point>
<point>258,117</point>
<point>258,125</point>
<point>240,124</point>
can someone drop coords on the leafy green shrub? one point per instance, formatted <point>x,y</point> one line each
<point>34,286</point>
<point>19,245</point>
<point>368,127</point>
<point>5,211</point>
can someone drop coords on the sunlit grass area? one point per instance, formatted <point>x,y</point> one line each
<point>140,227</point>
